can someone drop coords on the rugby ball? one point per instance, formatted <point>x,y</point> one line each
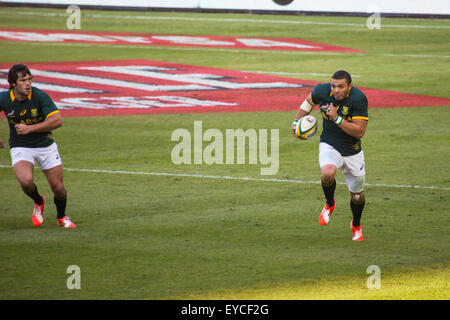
<point>306,127</point>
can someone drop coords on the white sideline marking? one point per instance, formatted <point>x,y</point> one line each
<point>138,17</point>
<point>188,175</point>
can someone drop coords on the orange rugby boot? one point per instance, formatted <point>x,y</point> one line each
<point>38,213</point>
<point>356,232</point>
<point>326,213</point>
<point>66,222</point>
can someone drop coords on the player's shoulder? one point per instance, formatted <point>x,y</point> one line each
<point>321,91</point>
<point>4,96</point>
<point>357,94</point>
<point>323,88</point>
<point>38,94</point>
<point>36,91</point>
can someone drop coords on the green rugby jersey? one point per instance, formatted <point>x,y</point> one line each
<point>354,106</point>
<point>35,109</point>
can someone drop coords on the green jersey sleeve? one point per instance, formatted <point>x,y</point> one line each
<point>360,106</point>
<point>47,105</point>
<point>3,95</point>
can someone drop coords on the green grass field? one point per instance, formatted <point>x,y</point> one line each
<point>143,236</point>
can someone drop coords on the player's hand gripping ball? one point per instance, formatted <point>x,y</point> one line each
<point>305,127</point>
<point>324,110</point>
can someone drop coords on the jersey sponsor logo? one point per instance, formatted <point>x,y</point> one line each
<point>168,40</point>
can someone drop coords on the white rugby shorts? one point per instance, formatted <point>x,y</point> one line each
<point>47,157</point>
<point>353,167</point>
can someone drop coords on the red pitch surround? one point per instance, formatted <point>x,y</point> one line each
<point>124,87</point>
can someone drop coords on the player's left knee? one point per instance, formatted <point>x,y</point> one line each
<point>59,190</point>
<point>358,198</point>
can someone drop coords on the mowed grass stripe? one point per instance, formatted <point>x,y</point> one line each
<point>233,50</point>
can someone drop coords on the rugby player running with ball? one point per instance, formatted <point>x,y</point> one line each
<point>345,117</point>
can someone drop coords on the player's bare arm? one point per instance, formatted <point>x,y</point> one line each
<point>52,122</point>
<point>305,108</point>
<point>356,128</point>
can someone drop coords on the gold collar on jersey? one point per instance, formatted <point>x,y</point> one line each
<point>13,97</point>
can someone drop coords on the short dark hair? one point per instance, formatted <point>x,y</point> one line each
<point>342,74</point>
<point>14,72</point>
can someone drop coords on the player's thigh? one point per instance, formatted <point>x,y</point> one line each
<point>328,155</point>
<point>355,184</point>
<point>23,171</point>
<point>329,159</point>
<point>51,164</point>
<point>22,161</point>
<point>355,164</point>
<point>354,172</point>
<point>48,157</point>
<point>19,154</point>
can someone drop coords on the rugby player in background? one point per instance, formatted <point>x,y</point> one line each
<point>31,115</point>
